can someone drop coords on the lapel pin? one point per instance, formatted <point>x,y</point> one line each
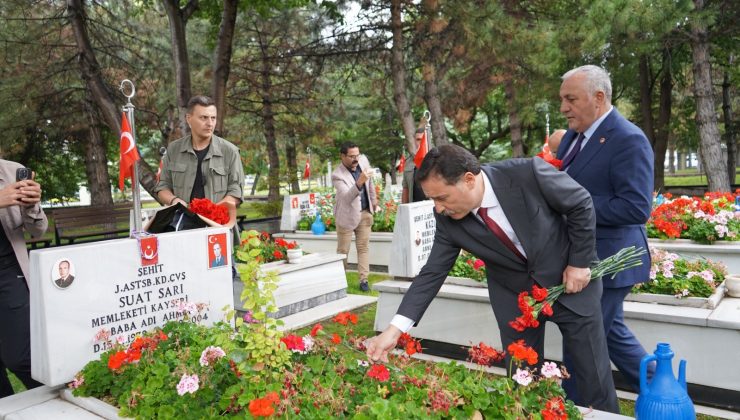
<point>602,140</point>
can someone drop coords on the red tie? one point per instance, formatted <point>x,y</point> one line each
<point>496,229</point>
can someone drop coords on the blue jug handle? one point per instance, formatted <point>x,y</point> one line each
<point>643,373</point>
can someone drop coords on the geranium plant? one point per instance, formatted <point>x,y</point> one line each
<point>186,370</point>
<point>469,266</point>
<point>264,247</point>
<point>671,274</point>
<point>702,219</point>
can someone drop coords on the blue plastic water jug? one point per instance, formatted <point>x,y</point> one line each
<point>318,227</point>
<point>665,397</point>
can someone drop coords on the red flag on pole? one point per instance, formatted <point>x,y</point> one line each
<point>159,171</point>
<point>402,163</point>
<point>129,154</point>
<point>307,170</point>
<point>423,149</point>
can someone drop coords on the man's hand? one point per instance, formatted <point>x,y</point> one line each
<point>576,279</point>
<point>379,346</point>
<point>12,195</point>
<point>31,191</point>
<point>364,176</point>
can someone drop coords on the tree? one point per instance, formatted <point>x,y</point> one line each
<point>706,117</point>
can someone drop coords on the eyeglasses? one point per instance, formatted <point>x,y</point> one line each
<point>353,157</point>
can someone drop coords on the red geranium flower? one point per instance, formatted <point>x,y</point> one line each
<point>520,351</point>
<point>336,339</point>
<point>294,342</point>
<point>345,317</point>
<point>484,355</point>
<point>261,407</point>
<point>116,360</point>
<point>315,330</point>
<point>379,372</point>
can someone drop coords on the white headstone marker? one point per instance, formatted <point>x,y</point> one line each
<point>413,236</point>
<point>296,207</point>
<point>122,287</point>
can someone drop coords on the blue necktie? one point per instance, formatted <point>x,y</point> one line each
<point>573,153</point>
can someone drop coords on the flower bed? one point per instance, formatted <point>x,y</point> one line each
<point>679,278</point>
<point>383,220</point>
<point>704,220</point>
<point>186,370</point>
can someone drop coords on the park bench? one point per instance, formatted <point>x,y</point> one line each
<point>93,223</point>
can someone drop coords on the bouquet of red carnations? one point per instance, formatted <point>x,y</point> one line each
<point>541,300</point>
<point>204,207</point>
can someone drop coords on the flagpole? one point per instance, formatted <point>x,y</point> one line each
<point>129,110</point>
<point>428,128</point>
<point>308,149</point>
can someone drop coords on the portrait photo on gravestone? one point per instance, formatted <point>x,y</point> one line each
<point>217,251</point>
<point>62,275</point>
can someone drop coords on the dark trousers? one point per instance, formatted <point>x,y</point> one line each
<point>584,335</point>
<point>15,329</point>
<point>624,349</point>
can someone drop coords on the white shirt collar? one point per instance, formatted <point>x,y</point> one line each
<point>588,133</point>
<point>489,197</point>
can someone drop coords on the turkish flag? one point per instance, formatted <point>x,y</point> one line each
<point>402,163</point>
<point>129,154</point>
<point>307,170</point>
<point>148,249</point>
<point>159,171</point>
<point>423,149</point>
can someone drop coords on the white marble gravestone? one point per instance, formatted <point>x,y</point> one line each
<point>413,236</point>
<point>295,207</point>
<point>122,288</point>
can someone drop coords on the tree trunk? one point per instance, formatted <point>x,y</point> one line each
<point>292,164</point>
<point>664,119</point>
<point>90,69</point>
<point>671,157</point>
<point>222,61</point>
<point>268,121</point>
<point>517,148</point>
<point>729,125</point>
<point>96,162</point>
<point>254,184</point>
<point>680,161</point>
<point>178,19</point>
<point>646,99</point>
<point>706,118</point>
<point>398,74</point>
<point>431,97</point>
<point>98,90</point>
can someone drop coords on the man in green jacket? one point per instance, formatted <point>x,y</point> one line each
<point>201,165</point>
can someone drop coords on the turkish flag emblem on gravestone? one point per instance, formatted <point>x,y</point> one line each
<point>149,250</point>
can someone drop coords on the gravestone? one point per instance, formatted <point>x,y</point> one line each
<point>121,287</point>
<point>413,236</point>
<point>296,207</point>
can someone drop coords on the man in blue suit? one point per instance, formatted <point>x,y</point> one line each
<point>612,159</point>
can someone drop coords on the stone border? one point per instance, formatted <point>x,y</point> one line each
<point>710,302</point>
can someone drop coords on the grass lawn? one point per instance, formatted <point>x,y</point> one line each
<point>686,177</point>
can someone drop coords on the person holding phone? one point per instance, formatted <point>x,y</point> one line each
<point>20,211</point>
<point>356,202</point>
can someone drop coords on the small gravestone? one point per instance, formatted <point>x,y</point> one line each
<point>121,288</point>
<point>296,207</point>
<point>413,236</point>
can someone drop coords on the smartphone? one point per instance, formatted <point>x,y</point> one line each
<point>21,174</point>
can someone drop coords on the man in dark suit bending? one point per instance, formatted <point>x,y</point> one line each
<point>548,222</point>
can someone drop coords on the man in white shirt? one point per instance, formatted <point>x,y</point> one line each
<point>512,215</point>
